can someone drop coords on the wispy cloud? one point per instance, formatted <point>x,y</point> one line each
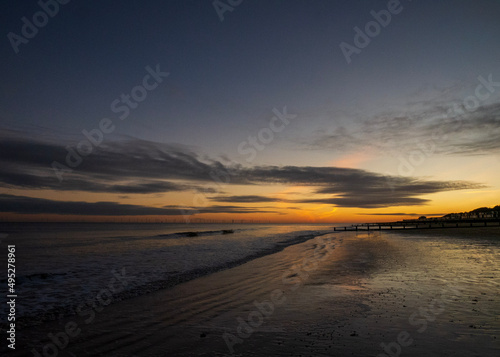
<point>453,133</point>
<point>245,199</point>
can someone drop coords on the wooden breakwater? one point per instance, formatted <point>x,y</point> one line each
<point>421,224</point>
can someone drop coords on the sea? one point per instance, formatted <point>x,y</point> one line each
<point>60,267</point>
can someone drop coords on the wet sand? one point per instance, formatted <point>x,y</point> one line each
<point>344,294</point>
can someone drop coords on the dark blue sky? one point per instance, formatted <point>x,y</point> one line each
<point>227,76</point>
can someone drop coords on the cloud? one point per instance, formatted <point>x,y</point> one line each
<point>134,166</point>
<point>365,201</point>
<point>448,127</point>
<point>127,166</point>
<point>347,187</point>
<point>30,205</point>
<point>234,209</point>
<point>245,199</point>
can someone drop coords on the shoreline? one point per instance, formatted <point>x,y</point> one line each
<point>153,286</point>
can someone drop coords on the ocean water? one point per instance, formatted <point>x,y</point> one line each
<point>60,267</point>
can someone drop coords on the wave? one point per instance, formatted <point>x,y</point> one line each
<point>43,277</point>
<point>177,235</point>
<point>197,233</point>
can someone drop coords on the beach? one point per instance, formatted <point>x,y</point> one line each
<point>432,293</point>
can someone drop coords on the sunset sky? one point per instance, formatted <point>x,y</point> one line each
<point>182,110</point>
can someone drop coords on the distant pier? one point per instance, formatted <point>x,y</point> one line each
<point>421,224</point>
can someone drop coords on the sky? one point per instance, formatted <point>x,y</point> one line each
<point>276,111</point>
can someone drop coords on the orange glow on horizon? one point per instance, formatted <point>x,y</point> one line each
<point>284,211</point>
